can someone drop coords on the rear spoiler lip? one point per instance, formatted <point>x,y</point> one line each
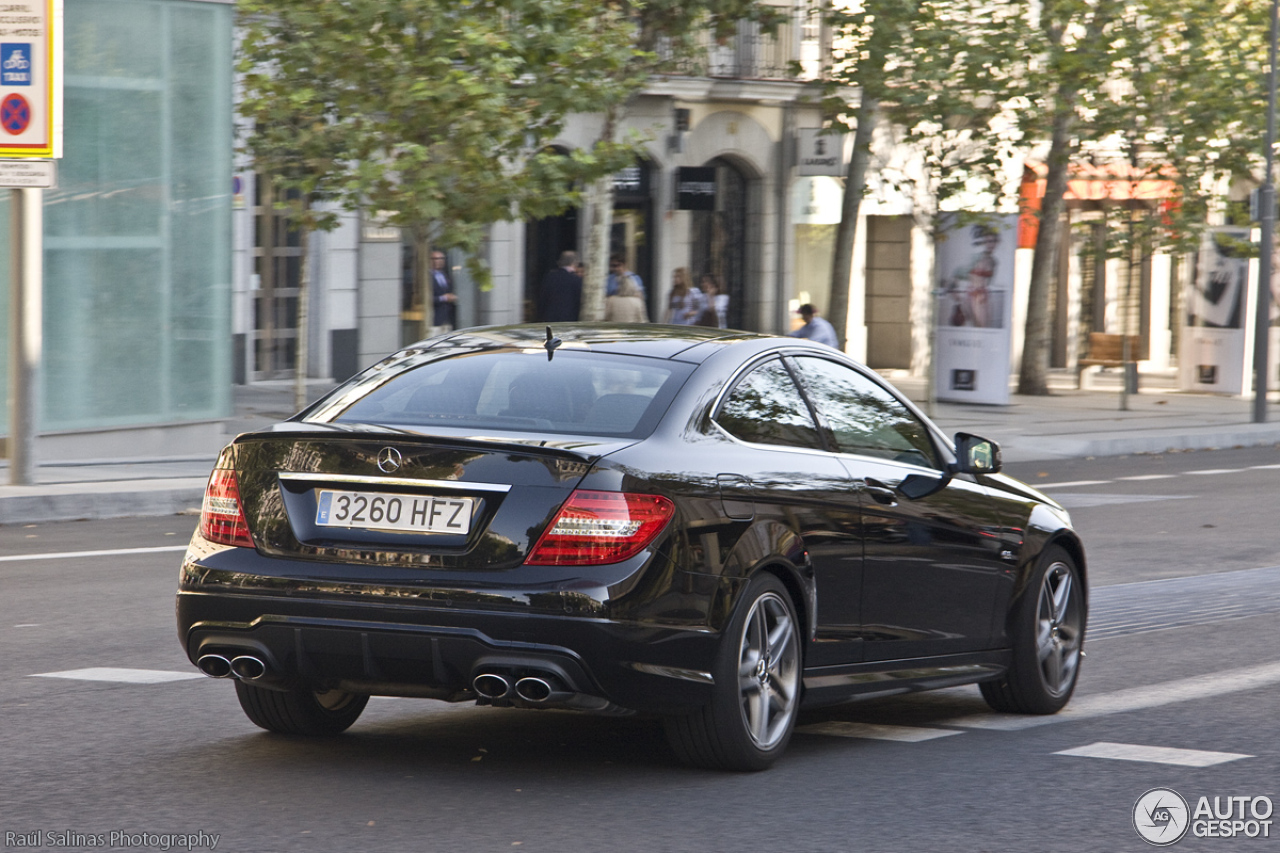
<point>585,448</point>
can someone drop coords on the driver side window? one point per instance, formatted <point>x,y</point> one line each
<point>864,417</point>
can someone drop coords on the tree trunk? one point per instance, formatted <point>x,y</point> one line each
<point>304,296</point>
<point>855,185</point>
<point>600,205</point>
<point>1033,376</point>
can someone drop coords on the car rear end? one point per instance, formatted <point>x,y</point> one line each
<point>477,546</point>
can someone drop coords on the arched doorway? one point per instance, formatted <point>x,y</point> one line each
<point>720,239</point>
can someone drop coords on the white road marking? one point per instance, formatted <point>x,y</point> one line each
<point>1079,500</point>
<point>1072,483</point>
<point>1153,754</point>
<point>70,555</point>
<point>1132,699</point>
<point>1151,477</point>
<point>124,676</point>
<point>1263,467</point>
<point>873,731</point>
<point>1210,471</point>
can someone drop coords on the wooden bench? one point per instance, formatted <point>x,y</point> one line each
<point>1106,350</point>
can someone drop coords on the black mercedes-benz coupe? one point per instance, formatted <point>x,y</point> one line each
<point>716,528</point>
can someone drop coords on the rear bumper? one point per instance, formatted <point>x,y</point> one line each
<point>437,651</point>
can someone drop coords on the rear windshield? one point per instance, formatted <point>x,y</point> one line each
<point>576,393</point>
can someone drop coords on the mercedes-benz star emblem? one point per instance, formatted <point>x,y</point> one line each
<point>389,460</point>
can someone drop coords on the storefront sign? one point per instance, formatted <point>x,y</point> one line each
<point>821,153</point>
<point>696,188</point>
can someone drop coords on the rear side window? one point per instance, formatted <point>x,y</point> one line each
<point>865,418</point>
<point>575,393</point>
<point>765,407</point>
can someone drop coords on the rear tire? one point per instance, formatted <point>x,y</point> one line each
<point>301,710</point>
<point>1048,641</point>
<point>756,694</point>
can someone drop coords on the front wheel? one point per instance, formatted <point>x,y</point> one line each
<point>1048,641</point>
<point>756,695</point>
<point>301,710</point>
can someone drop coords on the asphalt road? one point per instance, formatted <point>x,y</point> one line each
<point>1183,665</point>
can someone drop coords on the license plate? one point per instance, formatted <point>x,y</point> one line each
<point>384,511</point>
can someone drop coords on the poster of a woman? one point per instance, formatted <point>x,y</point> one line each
<point>969,296</point>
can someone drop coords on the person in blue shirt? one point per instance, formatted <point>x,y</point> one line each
<point>617,272</point>
<point>815,328</point>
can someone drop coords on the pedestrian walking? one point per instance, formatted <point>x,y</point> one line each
<point>560,299</point>
<point>686,302</point>
<point>626,305</point>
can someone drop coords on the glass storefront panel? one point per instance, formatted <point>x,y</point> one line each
<point>137,233</point>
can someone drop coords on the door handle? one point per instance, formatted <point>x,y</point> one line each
<point>880,493</point>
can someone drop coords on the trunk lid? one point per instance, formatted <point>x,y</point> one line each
<point>386,497</point>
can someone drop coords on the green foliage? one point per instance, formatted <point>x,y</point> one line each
<point>945,74</point>
<point>435,113</point>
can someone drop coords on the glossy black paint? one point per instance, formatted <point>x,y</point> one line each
<point>894,592</point>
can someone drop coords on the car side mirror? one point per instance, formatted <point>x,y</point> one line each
<point>976,455</point>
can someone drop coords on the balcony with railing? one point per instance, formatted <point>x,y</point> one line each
<point>791,51</point>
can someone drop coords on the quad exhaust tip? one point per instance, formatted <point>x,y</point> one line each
<point>532,689</point>
<point>491,686</point>
<point>248,668</point>
<point>214,666</point>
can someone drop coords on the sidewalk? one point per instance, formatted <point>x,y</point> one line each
<point>1068,424</point>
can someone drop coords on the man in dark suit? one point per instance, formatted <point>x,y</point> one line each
<point>444,300</point>
<point>560,300</point>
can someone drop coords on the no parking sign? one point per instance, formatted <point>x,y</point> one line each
<point>31,79</point>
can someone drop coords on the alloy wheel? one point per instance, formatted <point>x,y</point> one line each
<point>768,671</point>
<point>1058,629</point>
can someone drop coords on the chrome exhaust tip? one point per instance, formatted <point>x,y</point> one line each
<point>535,690</point>
<point>491,686</point>
<point>214,666</point>
<point>248,668</point>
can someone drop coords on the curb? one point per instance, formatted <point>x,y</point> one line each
<point>83,501</point>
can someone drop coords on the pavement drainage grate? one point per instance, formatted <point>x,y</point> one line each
<point>1135,608</point>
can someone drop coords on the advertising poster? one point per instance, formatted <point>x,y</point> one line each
<point>1212,356</point>
<point>975,310</point>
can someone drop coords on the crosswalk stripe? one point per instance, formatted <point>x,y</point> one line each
<point>874,731</point>
<point>120,675</point>
<point>1132,699</point>
<point>1153,754</point>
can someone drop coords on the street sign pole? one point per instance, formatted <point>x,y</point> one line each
<point>30,140</point>
<point>1262,321</point>
<point>26,318</point>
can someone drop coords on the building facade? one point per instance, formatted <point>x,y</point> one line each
<point>137,234</point>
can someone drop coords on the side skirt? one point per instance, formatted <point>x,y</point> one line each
<point>828,685</point>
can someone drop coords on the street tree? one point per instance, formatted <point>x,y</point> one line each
<point>941,76</point>
<point>1169,87</point>
<point>434,115</point>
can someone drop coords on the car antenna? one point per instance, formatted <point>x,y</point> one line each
<point>551,344</point>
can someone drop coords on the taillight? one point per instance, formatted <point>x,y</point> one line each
<point>221,516</point>
<point>594,528</point>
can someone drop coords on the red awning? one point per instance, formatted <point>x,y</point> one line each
<point>1114,182</point>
